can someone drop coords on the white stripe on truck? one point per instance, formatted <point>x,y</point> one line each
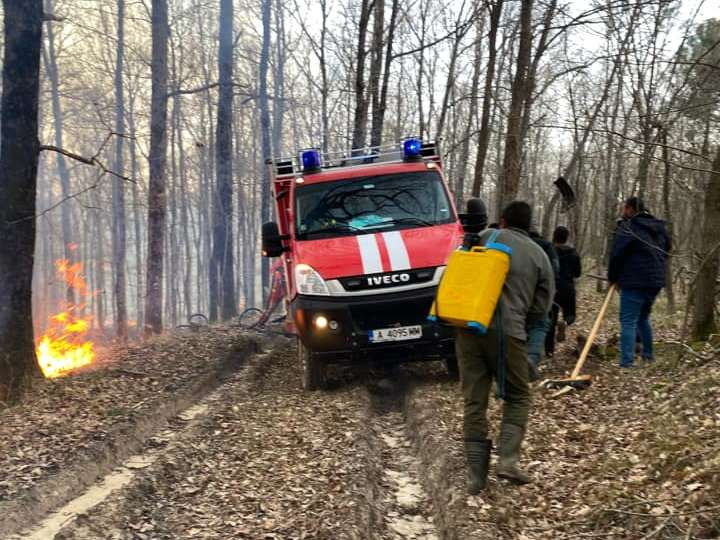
<point>397,251</point>
<point>370,254</point>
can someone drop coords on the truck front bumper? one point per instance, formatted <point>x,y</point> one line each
<point>351,320</point>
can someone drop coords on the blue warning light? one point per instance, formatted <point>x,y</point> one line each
<point>310,160</point>
<point>412,148</point>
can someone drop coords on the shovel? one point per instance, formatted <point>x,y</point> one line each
<point>577,381</point>
<point>566,192</point>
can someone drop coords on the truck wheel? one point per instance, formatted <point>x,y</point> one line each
<point>451,364</point>
<point>314,370</point>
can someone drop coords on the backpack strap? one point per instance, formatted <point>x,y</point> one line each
<point>492,243</point>
<point>491,239</point>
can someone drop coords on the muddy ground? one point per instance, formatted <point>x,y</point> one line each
<point>379,456</point>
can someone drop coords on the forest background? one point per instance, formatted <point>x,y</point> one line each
<point>156,119</point>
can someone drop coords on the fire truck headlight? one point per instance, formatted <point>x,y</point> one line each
<point>309,281</point>
<point>321,322</point>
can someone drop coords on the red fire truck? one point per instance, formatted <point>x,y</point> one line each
<point>363,240</point>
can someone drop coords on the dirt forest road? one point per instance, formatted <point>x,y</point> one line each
<point>379,456</point>
<point>259,458</point>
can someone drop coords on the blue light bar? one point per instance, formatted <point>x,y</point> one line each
<point>412,149</point>
<point>310,160</point>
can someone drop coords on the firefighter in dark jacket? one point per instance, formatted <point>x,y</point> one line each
<point>570,269</point>
<point>637,266</point>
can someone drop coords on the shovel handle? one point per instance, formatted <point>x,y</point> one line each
<point>593,333</point>
<point>564,390</point>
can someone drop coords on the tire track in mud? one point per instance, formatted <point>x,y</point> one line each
<point>404,508</point>
<point>267,460</point>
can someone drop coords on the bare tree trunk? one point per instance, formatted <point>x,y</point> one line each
<point>184,215</point>
<point>531,78</point>
<point>361,99</point>
<point>704,324</point>
<point>242,247</point>
<point>376,57</point>
<point>325,89</point>
<point>18,177</point>
<point>379,108</point>
<point>223,251</point>
<point>172,249</point>
<point>158,149</point>
<point>118,188</point>
<point>99,252</point>
<point>137,224</point>
<point>421,68</point>
<point>42,308</point>
<point>51,67</point>
<point>484,135</point>
<point>610,178</point>
<point>512,161</point>
<point>467,135</point>
<point>265,200</point>
<point>279,79</point>
<point>666,194</point>
<point>89,264</point>
<point>646,155</point>
<point>460,32</point>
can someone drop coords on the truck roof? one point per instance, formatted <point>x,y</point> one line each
<point>375,161</point>
<point>363,170</point>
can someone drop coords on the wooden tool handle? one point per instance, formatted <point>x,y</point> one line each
<point>593,333</point>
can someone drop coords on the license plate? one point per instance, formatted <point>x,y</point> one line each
<point>402,333</point>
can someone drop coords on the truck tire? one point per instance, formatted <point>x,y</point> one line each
<point>451,364</point>
<point>314,370</point>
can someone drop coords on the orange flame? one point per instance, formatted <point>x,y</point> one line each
<point>64,346</point>
<point>71,274</point>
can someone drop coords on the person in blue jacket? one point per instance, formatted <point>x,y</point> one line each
<point>637,266</point>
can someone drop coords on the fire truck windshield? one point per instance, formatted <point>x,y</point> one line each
<point>357,206</point>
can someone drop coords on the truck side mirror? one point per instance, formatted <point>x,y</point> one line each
<point>272,245</point>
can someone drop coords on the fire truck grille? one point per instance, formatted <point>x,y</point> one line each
<point>388,315</point>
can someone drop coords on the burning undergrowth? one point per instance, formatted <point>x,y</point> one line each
<point>64,345</point>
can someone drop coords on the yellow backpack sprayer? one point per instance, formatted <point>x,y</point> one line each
<point>471,285</point>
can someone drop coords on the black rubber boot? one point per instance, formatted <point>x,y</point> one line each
<point>477,455</point>
<point>511,437</point>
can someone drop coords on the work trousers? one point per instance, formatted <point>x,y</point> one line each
<point>478,363</point>
<point>537,333</point>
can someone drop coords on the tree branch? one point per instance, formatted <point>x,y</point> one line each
<point>204,88</point>
<point>631,139</point>
<point>94,160</point>
<point>51,17</point>
<point>459,29</point>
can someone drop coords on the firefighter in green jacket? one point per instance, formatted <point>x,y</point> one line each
<point>501,353</point>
